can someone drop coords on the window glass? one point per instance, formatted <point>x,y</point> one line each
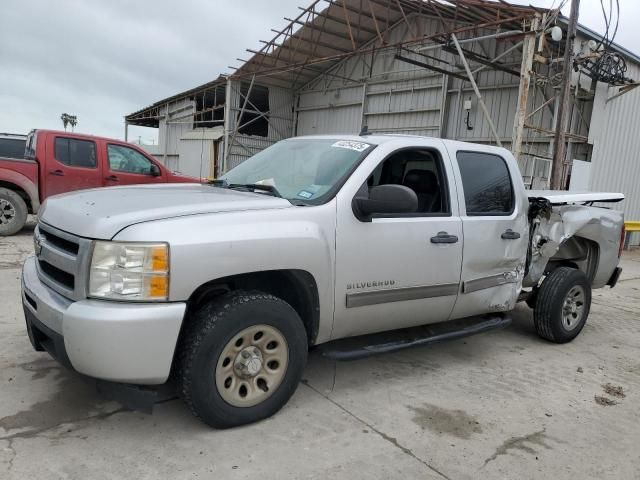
<point>306,170</point>
<point>128,160</point>
<point>421,171</point>
<point>486,183</point>
<point>12,147</point>
<point>75,153</point>
<point>30,150</point>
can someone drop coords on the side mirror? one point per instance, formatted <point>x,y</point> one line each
<point>155,170</point>
<point>385,199</point>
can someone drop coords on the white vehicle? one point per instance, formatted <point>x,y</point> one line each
<point>225,287</point>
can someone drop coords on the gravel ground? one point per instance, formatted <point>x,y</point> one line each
<point>500,405</point>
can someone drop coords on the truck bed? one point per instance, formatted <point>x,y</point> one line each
<point>561,197</point>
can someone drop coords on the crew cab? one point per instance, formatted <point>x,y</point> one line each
<point>351,244</point>
<point>59,162</point>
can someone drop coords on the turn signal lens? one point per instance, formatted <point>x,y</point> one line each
<point>158,287</point>
<point>160,259</point>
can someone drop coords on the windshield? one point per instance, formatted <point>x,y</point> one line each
<point>307,170</point>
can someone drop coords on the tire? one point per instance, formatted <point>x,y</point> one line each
<point>562,305</point>
<point>211,373</point>
<point>13,212</point>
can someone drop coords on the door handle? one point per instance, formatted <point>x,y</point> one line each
<point>112,178</point>
<point>510,235</point>
<point>57,173</point>
<point>444,237</point>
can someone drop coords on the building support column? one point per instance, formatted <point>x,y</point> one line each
<point>227,126</point>
<point>528,51</point>
<point>442,129</point>
<point>238,118</point>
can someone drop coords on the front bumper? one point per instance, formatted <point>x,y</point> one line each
<point>119,342</point>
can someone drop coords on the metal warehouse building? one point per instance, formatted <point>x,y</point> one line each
<point>472,70</point>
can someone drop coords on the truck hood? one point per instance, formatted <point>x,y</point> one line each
<point>102,212</point>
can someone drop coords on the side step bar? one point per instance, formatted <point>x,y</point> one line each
<point>354,348</point>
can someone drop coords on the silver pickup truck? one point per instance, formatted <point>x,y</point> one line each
<point>351,244</point>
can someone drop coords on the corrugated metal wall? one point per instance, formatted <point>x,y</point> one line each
<point>280,117</point>
<point>615,134</point>
<point>176,120</point>
<point>392,96</point>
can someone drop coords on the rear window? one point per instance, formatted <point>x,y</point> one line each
<point>30,150</point>
<point>75,153</point>
<point>12,147</point>
<point>486,183</point>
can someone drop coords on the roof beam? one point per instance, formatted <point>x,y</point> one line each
<point>475,57</point>
<point>429,67</point>
<point>421,39</point>
<point>296,37</point>
<point>359,12</point>
<point>296,51</point>
<point>313,26</point>
<point>341,21</point>
<point>309,76</point>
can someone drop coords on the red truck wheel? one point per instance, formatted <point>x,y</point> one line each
<point>13,212</point>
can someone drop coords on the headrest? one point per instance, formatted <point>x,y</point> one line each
<point>421,181</point>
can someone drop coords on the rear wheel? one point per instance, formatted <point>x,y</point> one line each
<point>13,212</point>
<point>241,359</point>
<point>562,305</point>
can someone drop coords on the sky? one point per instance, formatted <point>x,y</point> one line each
<point>103,59</point>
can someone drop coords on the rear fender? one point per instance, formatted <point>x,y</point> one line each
<point>583,236</point>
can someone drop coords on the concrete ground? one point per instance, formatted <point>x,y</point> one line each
<point>499,405</point>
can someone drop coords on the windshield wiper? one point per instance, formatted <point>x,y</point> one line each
<point>258,186</point>
<point>248,186</point>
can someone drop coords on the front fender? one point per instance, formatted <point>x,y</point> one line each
<point>204,248</point>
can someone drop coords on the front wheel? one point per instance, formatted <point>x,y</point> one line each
<point>241,358</point>
<point>562,305</point>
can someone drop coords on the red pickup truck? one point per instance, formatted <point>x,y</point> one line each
<point>58,162</point>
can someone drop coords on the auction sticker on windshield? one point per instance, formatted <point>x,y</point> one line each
<point>357,146</point>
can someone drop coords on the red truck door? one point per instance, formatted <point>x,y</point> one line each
<point>70,164</point>
<point>126,166</point>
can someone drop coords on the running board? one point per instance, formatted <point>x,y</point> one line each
<point>354,348</point>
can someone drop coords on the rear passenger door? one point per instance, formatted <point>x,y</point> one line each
<point>71,164</point>
<point>494,221</point>
<point>127,166</point>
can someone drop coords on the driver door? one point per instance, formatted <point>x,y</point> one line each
<point>391,271</point>
<point>127,166</point>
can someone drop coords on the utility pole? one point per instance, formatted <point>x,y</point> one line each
<point>560,142</point>
<point>528,51</point>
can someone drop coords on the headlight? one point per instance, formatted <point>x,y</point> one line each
<point>129,271</point>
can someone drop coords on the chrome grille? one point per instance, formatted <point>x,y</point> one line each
<point>62,260</point>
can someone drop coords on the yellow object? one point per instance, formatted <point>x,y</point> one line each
<point>160,259</point>
<point>632,226</point>
<point>158,287</point>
